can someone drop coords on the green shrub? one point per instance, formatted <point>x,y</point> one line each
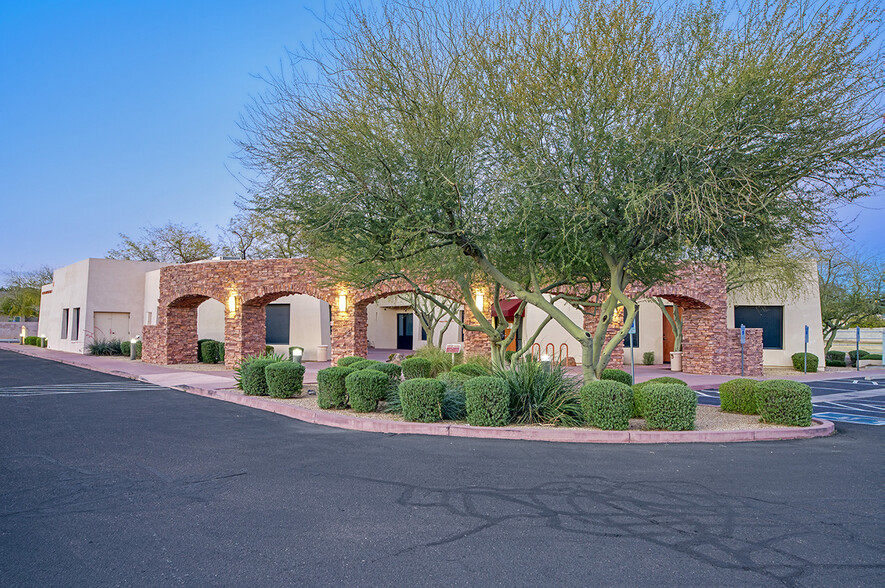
<point>648,358</point>
<point>331,389</point>
<point>483,361</point>
<point>28,340</point>
<point>639,386</point>
<point>125,348</point>
<point>454,406</point>
<point>269,350</point>
<point>472,370</point>
<point>617,375</point>
<point>607,404</point>
<point>285,379</point>
<point>138,349</point>
<point>454,380</point>
<point>854,354</point>
<point>440,361</point>
<point>835,363</point>
<point>874,356</point>
<point>539,396</point>
<point>200,348</point>
<point>738,396</point>
<point>365,388</point>
<point>221,351</point>
<point>670,407</point>
<point>416,367</point>
<point>784,402</point>
<point>799,361</point>
<point>99,346</point>
<point>253,379</point>
<point>365,364</point>
<point>837,355</point>
<point>422,399</point>
<point>487,402</point>
<point>209,351</point>
<point>349,360</point>
<point>392,370</point>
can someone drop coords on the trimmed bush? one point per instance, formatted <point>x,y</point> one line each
<point>421,399</point>
<point>138,349</point>
<point>607,404</point>
<point>268,350</point>
<point>209,351</point>
<point>220,351</point>
<point>854,354</point>
<point>440,361</point>
<point>365,388</point>
<point>669,407</point>
<point>200,348</point>
<point>835,363</point>
<point>349,360</point>
<point>799,361</point>
<point>637,391</point>
<point>648,358</point>
<point>392,370</point>
<point>738,396</point>
<point>617,376</point>
<point>874,356</point>
<point>837,355</point>
<point>252,376</point>
<point>331,389</point>
<point>365,364</point>
<point>487,402</point>
<point>454,380</point>
<point>784,402</point>
<point>126,348</point>
<point>471,370</point>
<point>416,367</point>
<point>285,379</point>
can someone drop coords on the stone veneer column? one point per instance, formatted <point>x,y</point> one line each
<point>179,345</point>
<point>477,342</point>
<point>591,319</point>
<point>244,333</point>
<point>349,331</point>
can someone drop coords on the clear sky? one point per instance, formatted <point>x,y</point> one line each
<point>117,115</point>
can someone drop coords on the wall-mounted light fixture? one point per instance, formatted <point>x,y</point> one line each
<point>342,302</point>
<point>232,303</point>
<point>478,296</point>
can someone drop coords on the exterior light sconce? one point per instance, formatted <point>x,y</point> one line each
<point>478,296</point>
<point>342,302</point>
<point>232,303</point>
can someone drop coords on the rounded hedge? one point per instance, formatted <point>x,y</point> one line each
<point>364,364</point>
<point>454,380</point>
<point>799,361</point>
<point>253,379</point>
<point>416,367</point>
<point>392,370</point>
<point>331,390</point>
<point>607,404</point>
<point>285,379</point>
<point>487,401</point>
<point>669,407</point>
<point>348,360</point>
<point>422,399</point>
<point>365,388</point>
<point>738,396</point>
<point>125,348</point>
<point>470,369</point>
<point>784,402</point>
<point>637,391</point>
<point>617,376</point>
<point>209,351</point>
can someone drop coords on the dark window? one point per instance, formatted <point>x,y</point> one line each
<point>276,323</point>
<point>423,334</point>
<point>65,315</point>
<point>768,318</point>
<point>75,324</point>
<point>635,335</point>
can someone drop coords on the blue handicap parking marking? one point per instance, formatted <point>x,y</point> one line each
<point>850,418</point>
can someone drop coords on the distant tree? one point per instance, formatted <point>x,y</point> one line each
<point>852,290</point>
<point>431,313</point>
<point>240,238</point>
<point>171,243</point>
<point>22,296</point>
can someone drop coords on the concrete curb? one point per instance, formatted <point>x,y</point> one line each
<point>820,428</point>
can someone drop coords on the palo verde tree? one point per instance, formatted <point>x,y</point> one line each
<point>573,151</point>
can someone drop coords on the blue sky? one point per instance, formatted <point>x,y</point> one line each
<point>117,115</point>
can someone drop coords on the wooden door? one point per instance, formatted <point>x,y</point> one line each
<point>669,337</point>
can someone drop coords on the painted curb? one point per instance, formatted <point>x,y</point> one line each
<point>820,428</point>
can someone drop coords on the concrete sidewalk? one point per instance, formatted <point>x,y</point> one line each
<point>207,378</point>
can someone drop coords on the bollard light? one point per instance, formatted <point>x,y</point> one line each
<point>132,343</point>
<point>296,354</point>
<point>545,362</point>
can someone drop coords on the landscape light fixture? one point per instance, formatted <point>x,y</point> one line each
<point>342,302</point>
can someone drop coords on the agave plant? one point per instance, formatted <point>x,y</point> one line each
<point>543,396</point>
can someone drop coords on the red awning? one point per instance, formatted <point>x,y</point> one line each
<point>509,307</point>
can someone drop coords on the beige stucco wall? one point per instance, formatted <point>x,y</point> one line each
<point>800,309</point>
<point>93,285</point>
<point>381,330</point>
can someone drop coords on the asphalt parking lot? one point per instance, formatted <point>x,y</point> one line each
<point>108,483</point>
<point>857,400</point>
